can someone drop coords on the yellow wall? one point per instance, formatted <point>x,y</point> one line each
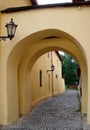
<point>44,63</point>
<point>0,23</point>
<point>13,3</point>
<point>37,92</point>
<point>70,25</point>
<point>57,75</point>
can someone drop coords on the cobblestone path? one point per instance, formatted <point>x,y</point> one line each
<point>57,113</point>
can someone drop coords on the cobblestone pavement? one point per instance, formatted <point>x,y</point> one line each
<point>58,113</point>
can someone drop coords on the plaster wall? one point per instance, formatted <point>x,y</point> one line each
<point>58,86</point>
<point>38,92</point>
<point>45,90</point>
<point>70,25</point>
<point>13,3</point>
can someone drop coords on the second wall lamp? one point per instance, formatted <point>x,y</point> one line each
<point>52,68</point>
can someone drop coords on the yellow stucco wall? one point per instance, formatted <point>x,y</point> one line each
<point>13,3</point>
<point>0,25</point>
<point>38,93</point>
<point>58,86</point>
<point>70,25</point>
<point>44,63</point>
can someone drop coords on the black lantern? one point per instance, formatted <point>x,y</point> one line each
<point>11,29</point>
<point>52,68</point>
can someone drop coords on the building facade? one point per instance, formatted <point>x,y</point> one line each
<point>46,82</point>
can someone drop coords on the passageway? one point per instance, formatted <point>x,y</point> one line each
<point>19,67</point>
<point>61,112</point>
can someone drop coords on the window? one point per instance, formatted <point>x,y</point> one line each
<point>40,77</point>
<point>43,2</point>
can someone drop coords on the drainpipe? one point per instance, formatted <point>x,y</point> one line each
<point>52,75</point>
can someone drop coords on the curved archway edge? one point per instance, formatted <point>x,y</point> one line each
<point>23,56</point>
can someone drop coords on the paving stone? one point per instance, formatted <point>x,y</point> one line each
<point>58,113</point>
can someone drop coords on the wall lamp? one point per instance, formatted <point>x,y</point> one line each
<point>52,68</point>
<point>11,29</point>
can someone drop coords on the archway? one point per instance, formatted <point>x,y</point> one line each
<point>24,55</point>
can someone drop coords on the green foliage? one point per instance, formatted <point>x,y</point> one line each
<point>69,70</point>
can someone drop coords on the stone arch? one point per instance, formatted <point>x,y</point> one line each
<point>24,55</point>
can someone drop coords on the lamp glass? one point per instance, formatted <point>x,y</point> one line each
<point>11,29</point>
